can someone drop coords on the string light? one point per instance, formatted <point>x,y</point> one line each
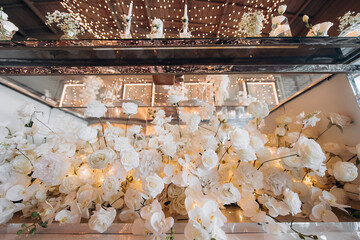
<point>97,18</point>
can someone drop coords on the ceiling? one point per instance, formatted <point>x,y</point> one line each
<point>207,18</point>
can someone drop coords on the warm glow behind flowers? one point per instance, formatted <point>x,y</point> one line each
<point>76,174</point>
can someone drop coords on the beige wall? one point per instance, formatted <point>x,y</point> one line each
<point>334,95</point>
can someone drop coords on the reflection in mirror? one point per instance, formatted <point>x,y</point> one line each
<point>228,94</point>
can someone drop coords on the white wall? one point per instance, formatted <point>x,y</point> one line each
<point>334,95</point>
<point>11,100</point>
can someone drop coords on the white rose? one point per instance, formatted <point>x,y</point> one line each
<point>7,210</point>
<point>292,201</point>
<point>228,194</point>
<point>209,159</point>
<point>110,185</point>
<point>174,99</point>
<point>169,148</point>
<point>310,152</point>
<point>154,185</point>
<point>129,108</point>
<point>51,168</point>
<point>289,162</point>
<point>86,195</point>
<point>95,109</point>
<point>129,159</point>
<point>121,143</point>
<point>192,122</point>
<point>239,138</point>
<point>101,158</point>
<point>209,142</point>
<point>21,164</point>
<point>248,176</point>
<point>102,219</point>
<point>280,131</point>
<point>246,154</point>
<point>258,109</point>
<point>87,134</point>
<point>345,171</point>
<point>69,184</point>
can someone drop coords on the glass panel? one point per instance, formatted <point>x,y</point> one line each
<point>229,94</point>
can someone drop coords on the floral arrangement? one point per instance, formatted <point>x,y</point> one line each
<point>66,22</point>
<point>280,26</point>
<point>157,29</point>
<point>221,84</point>
<point>349,19</point>
<point>349,25</point>
<point>251,24</point>
<point>318,30</point>
<point>7,28</point>
<point>67,172</point>
<point>92,88</point>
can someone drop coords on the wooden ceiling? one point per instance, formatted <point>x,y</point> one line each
<point>208,18</point>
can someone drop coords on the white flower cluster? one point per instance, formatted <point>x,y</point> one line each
<point>349,19</point>
<point>83,172</point>
<point>66,22</point>
<point>251,23</point>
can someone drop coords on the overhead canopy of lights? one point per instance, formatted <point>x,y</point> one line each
<point>104,19</point>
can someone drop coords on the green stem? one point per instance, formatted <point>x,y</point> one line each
<point>351,158</point>
<point>274,218</point>
<point>92,147</point>
<point>217,130</point>
<point>25,156</point>
<point>178,117</point>
<point>103,132</point>
<point>45,125</point>
<point>226,151</point>
<point>306,173</point>
<point>322,133</point>
<point>277,159</point>
<point>127,121</point>
<point>301,235</point>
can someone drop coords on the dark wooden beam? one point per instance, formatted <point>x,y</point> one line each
<point>113,14</point>
<point>301,9</point>
<point>222,17</point>
<point>36,11</point>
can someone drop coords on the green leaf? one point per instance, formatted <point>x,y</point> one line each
<point>19,232</point>
<point>32,231</point>
<point>43,224</point>
<point>35,214</point>
<point>29,124</point>
<point>357,161</point>
<point>23,225</point>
